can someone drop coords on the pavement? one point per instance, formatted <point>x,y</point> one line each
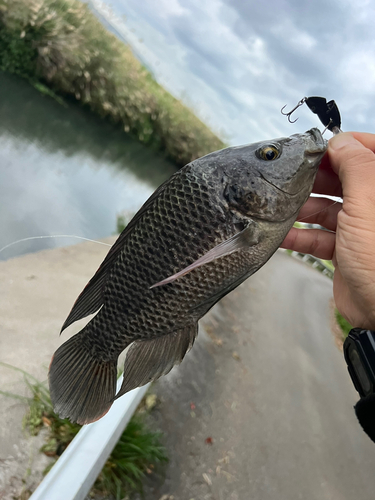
<point>260,409</point>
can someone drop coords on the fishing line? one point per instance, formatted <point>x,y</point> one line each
<point>30,238</point>
<point>319,211</point>
<point>53,236</point>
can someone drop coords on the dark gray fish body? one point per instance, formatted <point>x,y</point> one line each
<point>201,234</point>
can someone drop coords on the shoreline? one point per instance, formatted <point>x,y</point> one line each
<point>64,51</point>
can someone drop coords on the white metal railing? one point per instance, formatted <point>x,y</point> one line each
<point>315,262</point>
<point>74,473</point>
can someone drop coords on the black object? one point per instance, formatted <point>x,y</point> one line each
<point>365,411</point>
<point>359,353</point>
<point>328,112</point>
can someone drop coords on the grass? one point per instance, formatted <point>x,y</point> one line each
<point>137,454</point>
<point>122,220</point>
<point>343,324</point>
<point>64,51</point>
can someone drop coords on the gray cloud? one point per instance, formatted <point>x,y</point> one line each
<point>238,62</point>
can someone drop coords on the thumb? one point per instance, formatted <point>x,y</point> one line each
<point>354,164</point>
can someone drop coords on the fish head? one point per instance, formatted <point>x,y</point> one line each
<point>271,180</point>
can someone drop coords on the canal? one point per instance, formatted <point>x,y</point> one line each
<point>63,170</point>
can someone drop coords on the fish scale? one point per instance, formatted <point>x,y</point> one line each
<point>213,224</point>
<point>144,311</point>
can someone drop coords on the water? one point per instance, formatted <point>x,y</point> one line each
<point>65,171</point>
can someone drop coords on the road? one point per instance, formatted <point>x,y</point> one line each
<point>269,389</point>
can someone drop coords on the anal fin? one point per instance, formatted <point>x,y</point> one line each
<point>148,360</point>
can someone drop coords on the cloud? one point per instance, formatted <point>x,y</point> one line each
<point>236,63</point>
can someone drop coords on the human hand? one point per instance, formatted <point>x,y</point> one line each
<point>347,171</point>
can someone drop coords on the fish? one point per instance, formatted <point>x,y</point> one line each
<point>203,232</point>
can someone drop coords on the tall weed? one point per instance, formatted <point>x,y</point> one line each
<point>62,45</point>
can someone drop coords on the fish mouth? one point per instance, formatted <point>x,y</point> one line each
<point>316,144</point>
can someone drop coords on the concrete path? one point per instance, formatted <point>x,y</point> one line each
<point>260,409</point>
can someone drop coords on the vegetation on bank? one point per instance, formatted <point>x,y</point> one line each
<point>137,454</point>
<point>343,324</point>
<point>63,49</point>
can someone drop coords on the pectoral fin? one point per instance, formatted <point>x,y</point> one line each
<point>244,239</point>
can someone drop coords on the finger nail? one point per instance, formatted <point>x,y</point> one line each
<point>343,139</point>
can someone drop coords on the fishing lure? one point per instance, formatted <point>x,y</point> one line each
<point>328,112</point>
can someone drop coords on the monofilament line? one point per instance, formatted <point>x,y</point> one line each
<point>53,236</point>
<point>318,212</point>
<point>30,238</point>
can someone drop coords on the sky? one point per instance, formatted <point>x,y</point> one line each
<point>235,63</point>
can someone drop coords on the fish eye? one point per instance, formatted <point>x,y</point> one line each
<point>269,152</point>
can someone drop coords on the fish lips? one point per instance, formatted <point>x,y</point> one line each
<point>316,145</point>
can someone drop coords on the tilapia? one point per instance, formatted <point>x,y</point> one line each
<point>202,233</point>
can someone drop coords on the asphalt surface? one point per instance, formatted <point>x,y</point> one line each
<point>260,409</point>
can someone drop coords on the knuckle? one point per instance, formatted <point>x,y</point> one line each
<point>315,243</point>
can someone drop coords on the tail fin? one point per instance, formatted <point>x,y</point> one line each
<point>82,388</point>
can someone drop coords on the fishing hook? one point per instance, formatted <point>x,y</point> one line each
<point>326,128</point>
<point>293,110</point>
<point>328,112</point>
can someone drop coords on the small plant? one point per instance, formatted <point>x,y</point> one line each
<point>138,452</point>
<point>136,455</point>
<point>343,324</point>
<point>120,224</point>
<point>123,220</point>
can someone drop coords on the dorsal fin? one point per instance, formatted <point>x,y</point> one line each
<point>92,296</point>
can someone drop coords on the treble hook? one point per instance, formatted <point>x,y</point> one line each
<point>328,112</point>
<point>293,110</point>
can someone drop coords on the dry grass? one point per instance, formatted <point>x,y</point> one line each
<point>61,45</point>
